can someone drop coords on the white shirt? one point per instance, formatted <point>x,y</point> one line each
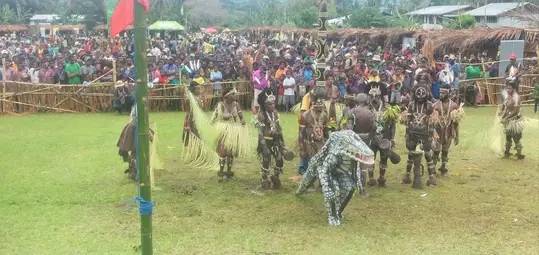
<point>156,52</point>
<point>289,86</point>
<point>34,77</point>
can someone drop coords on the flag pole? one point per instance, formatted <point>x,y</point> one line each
<point>143,144</point>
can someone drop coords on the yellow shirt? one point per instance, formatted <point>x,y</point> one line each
<point>305,106</point>
<point>199,80</point>
<point>373,78</point>
<point>306,102</point>
<point>279,74</point>
<point>207,48</point>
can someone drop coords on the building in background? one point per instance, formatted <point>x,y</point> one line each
<point>433,17</point>
<point>495,15</point>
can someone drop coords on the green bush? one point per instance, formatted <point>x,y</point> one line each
<point>462,22</point>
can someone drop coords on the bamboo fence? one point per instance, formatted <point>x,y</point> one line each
<point>20,97</point>
<point>491,88</point>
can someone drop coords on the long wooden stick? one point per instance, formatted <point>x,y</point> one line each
<point>37,106</point>
<point>26,92</point>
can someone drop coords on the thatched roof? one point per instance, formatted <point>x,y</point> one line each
<point>13,28</point>
<point>70,27</point>
<point>441,41</point>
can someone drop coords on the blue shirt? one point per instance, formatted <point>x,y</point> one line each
<point>456,70</point>
<point>307,74</point>
<point>435,89</point>
<point>170,69</point>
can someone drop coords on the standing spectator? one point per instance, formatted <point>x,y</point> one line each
<point>72,70</point>
<point>43,72</point>
<point>260,82</point>
<point>34,74</point>
<point>455,68</point>
<point>289,85</point>
<point>129,72</point>
<point>396,87</point>
<point>308,76</point>
<point>84,72</point>
<point>170,69</point>
<point>216,77</point>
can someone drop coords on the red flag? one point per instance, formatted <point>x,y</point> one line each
<point>124,15</point>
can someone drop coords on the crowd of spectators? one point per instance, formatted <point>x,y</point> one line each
<point>288,66</point>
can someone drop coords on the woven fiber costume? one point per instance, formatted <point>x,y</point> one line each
<point>512,121</point>
<point>228,110</point>
<point>214,142</point>
<point>419,131</point>
<point>339,166</point>
<point>270,141</point>
<point>446,117</point>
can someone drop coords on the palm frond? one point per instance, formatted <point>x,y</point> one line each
<point>197,154</point>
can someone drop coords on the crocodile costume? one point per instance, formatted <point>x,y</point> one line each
<point>447,115</point>
<point>419,132</point>
<point>339,166</point>
<point>512,121</point>
<point>270,140</point>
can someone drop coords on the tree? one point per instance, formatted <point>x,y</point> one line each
<point>166,10</point>
<point>368,17</point>
<point>7,15</point>
<point>306,17</point>
<point>462,22</point>
<point>204,13</point>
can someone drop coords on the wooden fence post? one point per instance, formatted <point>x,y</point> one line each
<point>485,71</point>
<point>114,74</point>
<point>3,84</point>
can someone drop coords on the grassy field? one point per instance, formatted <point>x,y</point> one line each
<point>63,191</point>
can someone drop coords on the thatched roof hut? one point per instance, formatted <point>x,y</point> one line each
<point>13,28</point>
<point>469,41</point>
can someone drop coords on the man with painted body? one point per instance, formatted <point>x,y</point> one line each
<point>270,141</point>
<point>446,129</point>
<point>419,133</point>
<point>512,121</point>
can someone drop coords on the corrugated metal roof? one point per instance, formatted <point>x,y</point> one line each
<point>495,9</point>
<point>438,10</point>
<point>45,17</point>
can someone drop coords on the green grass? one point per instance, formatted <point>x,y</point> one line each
<point>63,191</point>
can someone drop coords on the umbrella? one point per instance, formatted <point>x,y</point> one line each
<point>210,30</point>
<point>166,25</point>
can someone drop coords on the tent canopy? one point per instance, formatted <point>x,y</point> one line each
<point>210,30</point>
<point>166,25</point>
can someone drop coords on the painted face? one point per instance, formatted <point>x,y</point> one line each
<point>444,93</point>
<point>509,89</point>
<point>230,98</point>
<point>270,106</point>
